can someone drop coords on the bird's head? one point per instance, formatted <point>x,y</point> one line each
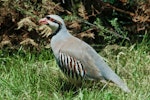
<point>54,21</point>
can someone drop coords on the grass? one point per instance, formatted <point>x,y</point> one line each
<point>35,76</point>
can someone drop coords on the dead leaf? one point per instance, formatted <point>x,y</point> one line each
<point>5,42</point>
<point>140,28</point>
<point>88,33</point>
<point>140,18</point>
<point>28,41</point>
<point>27,22</point>
<point>45,30</point>
<point>82,11</point>
<point>75,25</point>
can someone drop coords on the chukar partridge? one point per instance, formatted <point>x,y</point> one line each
<point>77,59</point>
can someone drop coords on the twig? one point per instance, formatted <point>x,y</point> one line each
<point>123,11</point>
<point>109,31</point>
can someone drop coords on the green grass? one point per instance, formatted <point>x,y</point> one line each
<point>35,76</point>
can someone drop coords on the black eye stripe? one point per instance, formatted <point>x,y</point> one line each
<point>53,20</point>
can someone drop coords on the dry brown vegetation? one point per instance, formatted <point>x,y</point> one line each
<point>19,20</point>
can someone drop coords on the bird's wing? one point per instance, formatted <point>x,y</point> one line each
<point>75,50</point>
<point>93,64</point>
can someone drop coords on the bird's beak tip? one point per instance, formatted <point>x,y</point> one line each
<point>43,21</point>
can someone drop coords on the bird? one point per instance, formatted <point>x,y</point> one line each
<point>77,59</point>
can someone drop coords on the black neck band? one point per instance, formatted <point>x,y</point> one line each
<point>58,29</point>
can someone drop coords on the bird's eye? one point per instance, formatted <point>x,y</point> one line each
<point>51,19</point>
<point>48,17</point>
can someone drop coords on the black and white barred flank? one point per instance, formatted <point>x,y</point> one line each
<point>71,66</point>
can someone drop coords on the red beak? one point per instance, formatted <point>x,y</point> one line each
<point>43,21</point>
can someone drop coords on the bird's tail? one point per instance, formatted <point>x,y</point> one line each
<point>109,74</point>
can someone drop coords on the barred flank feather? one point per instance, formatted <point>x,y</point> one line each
<point>71,67</point>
